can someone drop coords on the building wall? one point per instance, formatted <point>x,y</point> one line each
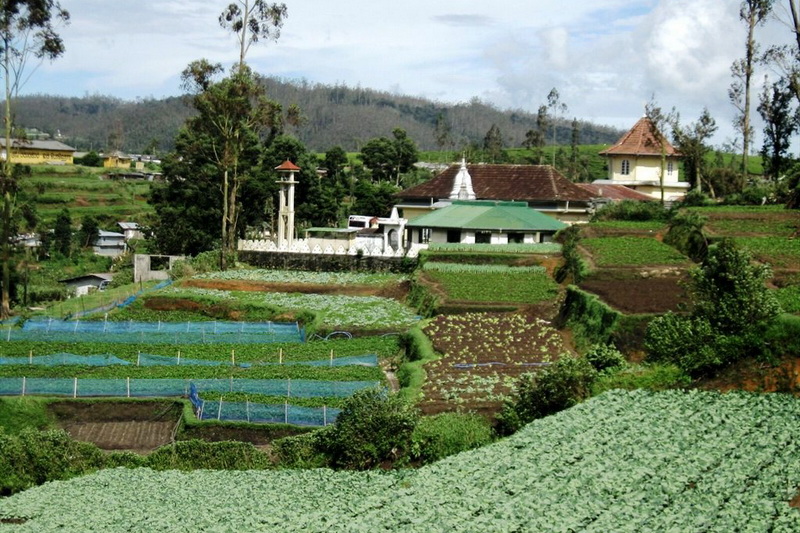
<point>116,162</point>
<point>672,192</point>
<point>81,288</point>
<point>642,168</point>
<point>142,270</point>
<point>29,156</point>
<point>468,237</point>
<point>411,213</point>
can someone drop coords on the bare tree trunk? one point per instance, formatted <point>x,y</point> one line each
<point>233,215</point>
<point>793,74</point>
<point>8,199</point>
<point>223,244</point>
<point>748,74</point>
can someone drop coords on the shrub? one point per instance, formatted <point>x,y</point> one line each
<point>195,454</point>
<point>654,377</point>
<point>373,428</point>
<point>695,198</point>
<point>557,387</point>
<point>439,436</point>
<point>573,268</point>
<point>182,268</point>
<point>688,342</point>
<point>686,235</point>
<point>631,210</point>
<point>33,457</point>
<point>729,290</point>
<point>299,451</point>
<point>605,356</point>
<point>732,310</point>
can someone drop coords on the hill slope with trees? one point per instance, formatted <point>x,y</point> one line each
<point>332,116</point>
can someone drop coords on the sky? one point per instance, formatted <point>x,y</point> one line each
<point>606,58</point>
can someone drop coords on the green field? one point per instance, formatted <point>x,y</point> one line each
<point>493,283</point>
<point>332,311</point>
<point>85,192</point>
<point>632,251</point>
<point>297,276</point>
<point>623,462</point>
<point>780,252</point>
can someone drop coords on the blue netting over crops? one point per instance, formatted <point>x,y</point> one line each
<point>123,387</point>
<point>120,303</point>
<point>48,329</point>
<point>146,359</point>
<point>260,412</point>
<point>63,359</point>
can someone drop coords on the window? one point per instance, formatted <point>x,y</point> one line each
<point>454,235</point>
<point>483,237</point>
<point>516,238</point>
<point>425,235</point>
<point>626,167</point>
<point>669,168</point>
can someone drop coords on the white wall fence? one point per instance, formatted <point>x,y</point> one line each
<point>301,246</point>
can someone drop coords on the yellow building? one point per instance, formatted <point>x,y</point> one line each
<point>38,152</point>
<point>635,162</point>
<point>117,160</point>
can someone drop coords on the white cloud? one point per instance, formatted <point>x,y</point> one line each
<point>606,57</point>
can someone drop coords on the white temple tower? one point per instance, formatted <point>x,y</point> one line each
<point>286,203</point>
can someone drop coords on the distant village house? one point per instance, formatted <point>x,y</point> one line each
<point>35,152</point>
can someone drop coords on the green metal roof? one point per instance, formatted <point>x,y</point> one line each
<point>488,215</point>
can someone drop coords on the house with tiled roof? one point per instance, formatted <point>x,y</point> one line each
<point>483,222</point>
<point>36,152</point>
<point>541,187</point>
<point>610,192</point>
<point>635,161</point>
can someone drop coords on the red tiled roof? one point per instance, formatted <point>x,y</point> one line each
<point>642,139</point>
<point>615,192</point>
<point>529,183</point>
<point>287,165</point>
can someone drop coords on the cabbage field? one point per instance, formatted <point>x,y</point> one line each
<point>625,461</point>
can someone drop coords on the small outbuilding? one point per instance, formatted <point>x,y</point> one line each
<point>80,285</point>
<point>483,221</point>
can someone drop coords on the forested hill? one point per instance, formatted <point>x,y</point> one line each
<point>335,115</point>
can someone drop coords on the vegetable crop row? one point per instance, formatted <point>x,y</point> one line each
<point>624,462</point>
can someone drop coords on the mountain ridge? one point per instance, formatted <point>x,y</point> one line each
<point>334,115</point>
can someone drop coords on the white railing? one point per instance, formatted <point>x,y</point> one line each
<point>301,246</point>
